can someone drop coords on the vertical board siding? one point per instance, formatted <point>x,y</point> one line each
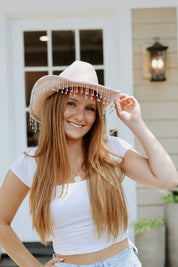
<point>159,101</point>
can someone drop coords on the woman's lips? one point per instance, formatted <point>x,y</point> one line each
<point>75,125</point>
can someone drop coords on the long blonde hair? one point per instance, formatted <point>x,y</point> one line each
<point>104,174</point>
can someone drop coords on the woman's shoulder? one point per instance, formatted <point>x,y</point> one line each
<point>117,145</point>
<point>31,151</point>
<point>24,166</point>
<point>27,157</point>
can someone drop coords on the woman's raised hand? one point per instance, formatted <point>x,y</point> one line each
<point>128,109</point>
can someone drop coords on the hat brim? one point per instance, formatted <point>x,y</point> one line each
<point>50,84</point>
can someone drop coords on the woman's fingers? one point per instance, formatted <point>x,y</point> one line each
<point>53,261</point>
<point>128,109</point>
<point>125,99</point>
<point>127,103</point>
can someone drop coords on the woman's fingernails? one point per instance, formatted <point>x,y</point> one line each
<point>59,259</point>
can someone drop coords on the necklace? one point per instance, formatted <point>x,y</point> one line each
<point>77,175</point>
<point>77,179</point>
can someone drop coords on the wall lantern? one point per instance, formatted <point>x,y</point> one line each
<point>158,61</point>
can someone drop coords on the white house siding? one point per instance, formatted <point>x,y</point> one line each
<point>159,100</point>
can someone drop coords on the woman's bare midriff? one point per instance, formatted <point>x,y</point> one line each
<point>89,258</point>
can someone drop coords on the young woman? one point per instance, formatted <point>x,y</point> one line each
<point>75,174</point>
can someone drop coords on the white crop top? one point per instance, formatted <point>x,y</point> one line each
<point>73,227</point>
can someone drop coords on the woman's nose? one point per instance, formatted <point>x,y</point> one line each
<point>80,114</point>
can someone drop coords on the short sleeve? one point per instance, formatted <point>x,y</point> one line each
<point>117,145</point>
<point>24,167</point>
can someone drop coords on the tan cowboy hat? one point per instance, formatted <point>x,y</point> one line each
<point>78,75</point>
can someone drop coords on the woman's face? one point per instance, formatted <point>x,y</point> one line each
<point>79,115</point>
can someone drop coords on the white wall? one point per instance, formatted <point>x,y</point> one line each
<point>4,97</point>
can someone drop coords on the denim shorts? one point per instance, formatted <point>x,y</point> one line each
<point>126,258</point>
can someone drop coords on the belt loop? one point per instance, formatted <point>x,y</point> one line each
<point>54,255</point>
<point>135,250</point>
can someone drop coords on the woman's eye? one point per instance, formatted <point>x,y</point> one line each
<point>71,104</point>
<point>90,109</point>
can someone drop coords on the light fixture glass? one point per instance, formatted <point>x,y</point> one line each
<point>44,38</point>
<point>158,61</point>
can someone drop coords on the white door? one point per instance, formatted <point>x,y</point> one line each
<point>41,47</point>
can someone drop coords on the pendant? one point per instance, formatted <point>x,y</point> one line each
<point>77,179</point>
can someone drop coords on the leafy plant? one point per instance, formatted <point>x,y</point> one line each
<point>146,224</point>
<point>171,197</point>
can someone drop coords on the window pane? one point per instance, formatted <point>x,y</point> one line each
<point>32,137</point>
<point>91,46</point>
<point>100,74</point>
<point>30,78</point>
<point>34,49</point>
<point>63,47</point>
<point>57,72</point>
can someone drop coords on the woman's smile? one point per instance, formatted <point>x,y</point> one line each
<point>75,124</point>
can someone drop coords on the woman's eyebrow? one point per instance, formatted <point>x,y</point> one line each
<point>74,99</point>
<point>91,104</point>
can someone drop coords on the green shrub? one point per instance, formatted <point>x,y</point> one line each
<point>146,224</point>
<point>170,198</point>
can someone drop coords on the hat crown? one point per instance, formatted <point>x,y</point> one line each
<point>79,75</point>
<point>80,71</point>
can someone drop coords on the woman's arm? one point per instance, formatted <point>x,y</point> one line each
<point>12,193</point>
<point>157,169</point>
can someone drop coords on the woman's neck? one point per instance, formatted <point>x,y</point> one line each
<point>75,151</point>
<point>76,159</point>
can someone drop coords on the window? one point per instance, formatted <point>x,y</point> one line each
<point>50,52</point>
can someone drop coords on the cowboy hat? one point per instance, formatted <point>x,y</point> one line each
<point>78,75</point>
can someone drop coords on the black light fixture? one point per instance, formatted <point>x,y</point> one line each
<point>158,61</point>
